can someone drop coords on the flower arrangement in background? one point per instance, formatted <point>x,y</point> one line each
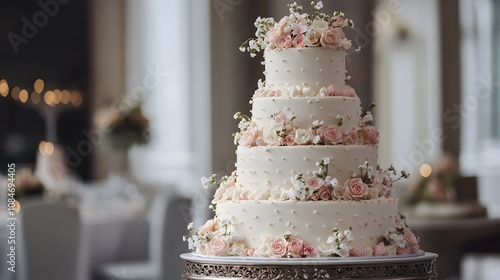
<point>300,30</point>
<point>124,128</point>
<point>27,184</point>
<point>440,185</point>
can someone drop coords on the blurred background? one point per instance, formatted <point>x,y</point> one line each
<point>113,110</point>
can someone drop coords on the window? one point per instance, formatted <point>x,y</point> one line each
<point>168,63</point>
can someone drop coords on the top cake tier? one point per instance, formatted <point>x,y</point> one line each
<point>315,68</point>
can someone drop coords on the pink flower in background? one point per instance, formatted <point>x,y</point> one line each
<point>332,38</point>
<point>325,194</point>
<point>332,135</point>
<point>249,136</point>
<point>314,182</point>
<point>277,247</point>
<point>332,91</point>
<point>356,189</point>
<point>350,137</point>
<point>218,246</point>
<point>357,252</point>
<point>379,249</point>
<point>370,135</point>
<point>295,247</point>
<point>209,226</point>
<point>284,42</point>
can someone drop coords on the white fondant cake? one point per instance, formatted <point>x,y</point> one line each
<point>306,183</point>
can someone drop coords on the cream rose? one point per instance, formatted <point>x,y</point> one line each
<point>319,25</point>
<point>302,136</point>
<point>295,247</point>
<point>332,38</point>
<point>370,135</point>
<point>332,135</point>
<point>277,247</point>
<point>312,38</point>
<point>218,246</point>
<point>355,189</point>
<point>271,138</point>
<point>338,192</point>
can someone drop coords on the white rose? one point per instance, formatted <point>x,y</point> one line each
<point>237,249</point>
<point>277,194</point>
<point>295,91</point>
<point>312,38</point>
<point>302,136</point>
<point>372,193</point>
<point>263,250</point>
<point>390,251</point>
<point>271,138</point>
<point>319,25</point>
<point>323,92</point>
<point>343,251</point>
<point>308,91</point>
<point>260,194</point>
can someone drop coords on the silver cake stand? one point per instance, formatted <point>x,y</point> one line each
<point>419,266</point>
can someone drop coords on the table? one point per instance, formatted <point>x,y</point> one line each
<point>453,238</point>
<point>422,266</point>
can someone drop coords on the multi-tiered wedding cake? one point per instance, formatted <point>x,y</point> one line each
<point>307,183</point>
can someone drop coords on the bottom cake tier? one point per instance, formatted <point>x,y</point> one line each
<point>306,229</point>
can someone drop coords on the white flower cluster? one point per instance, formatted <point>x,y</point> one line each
<point>288,91</point>
<point>337,244</point>
<point>255,45</point>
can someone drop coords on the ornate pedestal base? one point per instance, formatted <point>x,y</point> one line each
<point>422,266</point>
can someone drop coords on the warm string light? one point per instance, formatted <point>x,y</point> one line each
<point>425,170</point>
<point>49,97</point>
<point>46,148</point>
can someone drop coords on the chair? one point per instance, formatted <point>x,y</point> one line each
<point>50,240</point>
<point>168,218</point>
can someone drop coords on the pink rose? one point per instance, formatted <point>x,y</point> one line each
<point>410,238</point>
<point>231,180</point>
<point>325,194</point>
<point>350,137</point>
<point>274,33</point>
<point>260,141</point>
<point>284,42</point>
<point>249,136</point>
<point>314,182</point>
<point>338,21</point>
<point>370,135</point>
<point>309,251</point>
<point>332,91</point>
<point>274,93</point>
<point>402,251</point>
<point>332,135</point>
<point>356,189</point>
<point>357,252</point>
<point>296,247</point>
<point>290,139</point>
<point>379,249</point>
<point>209,226</point>
<point>244,195</point>
<point>332,37</point>
<point>347,91</point>
<point>219,192</point>
<point>277,247</point>
<point>218,246</point>
<point>249,252</point>
<point>299,41</point>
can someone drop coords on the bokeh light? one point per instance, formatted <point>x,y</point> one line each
<point>425,170</point>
